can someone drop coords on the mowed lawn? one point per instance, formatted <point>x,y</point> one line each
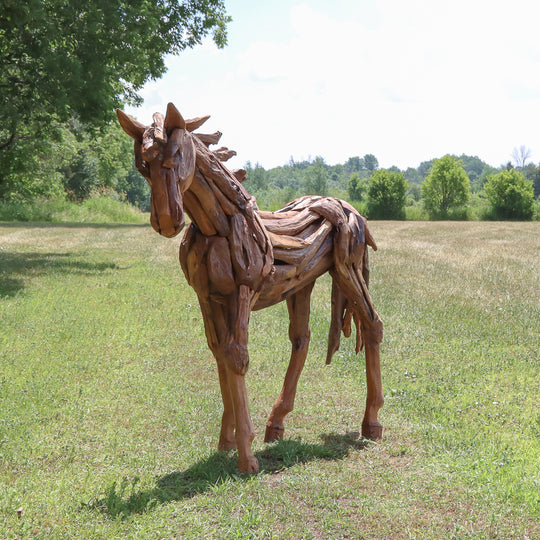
<point>110,405</point>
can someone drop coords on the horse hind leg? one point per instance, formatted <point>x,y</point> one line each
<point>352,283</point>
<point>372,336</point>
<point>299,335</point>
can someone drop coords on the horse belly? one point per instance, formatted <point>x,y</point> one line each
<point>285,279</point>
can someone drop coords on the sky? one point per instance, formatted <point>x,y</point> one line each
<point>405,81</point>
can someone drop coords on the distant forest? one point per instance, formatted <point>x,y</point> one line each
<point>65,68</point>
<point>79,162</point>
<point>276,186</point>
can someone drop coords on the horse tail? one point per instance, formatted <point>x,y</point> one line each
<point>338,310</point>
<point>342,311</point>
<point>342,316</point>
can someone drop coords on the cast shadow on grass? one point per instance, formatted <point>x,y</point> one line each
<point>15,266</point>
<point>122,500</point>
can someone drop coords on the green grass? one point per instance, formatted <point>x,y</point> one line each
<point>110,407</point>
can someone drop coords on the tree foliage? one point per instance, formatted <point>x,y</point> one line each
<point>92,160</point>
<point>256,177</point>
<point>316,182</point>
<point>446,187</point>
<point>474,167</point>
<point>532,173</point>
<point>357,187</point>
<point>371,163</point>
<point>386,195</point>
<point>66,58</point>
<point>355,164</point>
<point>510,194</point>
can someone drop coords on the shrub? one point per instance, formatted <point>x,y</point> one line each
<point>416,212</point>
<point>386,195</point>
<point>510,195</point>
<point>446,189</point>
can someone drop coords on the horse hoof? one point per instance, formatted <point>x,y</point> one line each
<point>248,465</point>
<point>273,433</point>
<point>373,431</point>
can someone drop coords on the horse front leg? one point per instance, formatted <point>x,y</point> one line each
<point>245,432</point>
<point>214,325</point>
<point>226,326</point>
<point>227,440</point>
<point>236,360</point>
<point>299,335</point>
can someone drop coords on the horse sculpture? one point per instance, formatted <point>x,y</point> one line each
<point>239,259</point>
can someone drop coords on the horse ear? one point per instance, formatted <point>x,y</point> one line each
<point>173,119</point>
<point>133,128</point>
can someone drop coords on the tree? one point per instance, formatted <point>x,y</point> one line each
<point>414,192</point>
<point>424,168</point>
<point>510,194</point>
<point>136,189</point>
<point>532,173</point>
<point>90,161</point>
<point>316,178</point>
<point>413,176</point>
<point>354,164</point>
<point>256,177</point>
<point>536,182</point>
<point>371,163</point>
<point>446,187</point>
<point>386,195</point>
<point>357,187</point>
<point>65,58</point>
<point>479,182</point>
<point>520,156</point>
<point>474,167</point>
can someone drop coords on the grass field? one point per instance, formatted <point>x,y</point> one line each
<point>110,407</point>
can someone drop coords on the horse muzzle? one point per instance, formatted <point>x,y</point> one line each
<point>166,203</point>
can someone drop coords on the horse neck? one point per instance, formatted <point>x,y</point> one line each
<point>215,195</point>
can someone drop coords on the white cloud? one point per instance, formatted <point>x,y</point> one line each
<point>406,81</point>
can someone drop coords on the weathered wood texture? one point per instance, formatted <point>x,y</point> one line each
<point>240,259</point>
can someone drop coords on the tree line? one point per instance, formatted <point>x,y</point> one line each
<point>450,187</point>
<point>65,66</point>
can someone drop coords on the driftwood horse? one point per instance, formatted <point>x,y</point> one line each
<point>239,259</point>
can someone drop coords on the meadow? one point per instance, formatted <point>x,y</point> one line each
<point>110,405</point>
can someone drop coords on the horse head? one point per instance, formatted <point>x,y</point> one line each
<point>165,156</point>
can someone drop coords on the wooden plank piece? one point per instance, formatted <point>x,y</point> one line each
<point>246,255</point>
<point>195,123</point>
<point>212,169</point>
<point>186,165</point>
<point>291,225</point>
<point>171,155</point>
<point>159,128</point>
<point>220,271</point>
<point>210,204</point>
<point>198,215</point>
<point>224,154</point>
<point>209,138</point>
